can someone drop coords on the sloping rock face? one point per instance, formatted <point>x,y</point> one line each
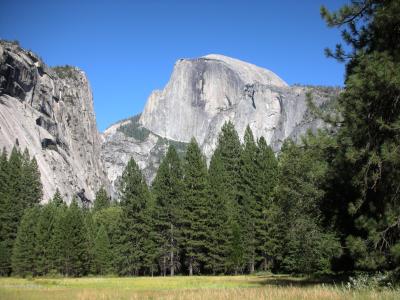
<point>201,95</point>
<point>50,112</point>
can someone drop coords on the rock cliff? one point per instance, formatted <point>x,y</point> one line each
<point>200,96</point>
<point>50,112</point>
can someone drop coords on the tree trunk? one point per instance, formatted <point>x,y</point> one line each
<point>172,252</point>
<point>164,266</point>
<point>252,267</point>
<point>190,268</point>
<point>265,267</point>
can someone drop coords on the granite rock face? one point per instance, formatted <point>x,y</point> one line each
<point>205,92</point>
<point>201,95</point>
<point>50,112</point>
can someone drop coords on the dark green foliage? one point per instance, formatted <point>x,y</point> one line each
<point>194,208</point>
<point>229,151</point>
<point>45,229</point>
<point>305,246</point>
<point>248,198</point>
<point>102,200</point>
<point>217,227</point>
<point>133,129</point>
<point>363,191</point>
<point>23,256</point>
<point>135,223</point>
<point>266,169</point>
<point>74,252</point>
<point>167,190</point>
<point>20,188</point>
<point>56,252</point>
<point>65,72</point>
<point>109,218</point>
<point>102,258</point>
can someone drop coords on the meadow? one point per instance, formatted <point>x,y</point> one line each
<point>179,287</point>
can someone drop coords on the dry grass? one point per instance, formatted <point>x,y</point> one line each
<point>198,287</point>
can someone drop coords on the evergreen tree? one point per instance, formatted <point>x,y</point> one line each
<point>57,239</point>
<point>31,185</point>
<point>102,253</point>
<point>13,207</point>
<point>109,218</point>
<point>45,228</point>
<point>57,199</point>
<point>150,246</point>
<point>91,235</point>
<point>218,217</point>
<point>195,210</point>
<point>265,228</point>
<point>5,245</point>
<point>306,247</point>
<point>20,188</point>
<point>75,244</point>
<point>229,150</point>
<point>167,189</point>
<point>247,189</point>
<point>366,206</point>
<point>134,225</point>
<point>102,200</point>
<point>23,256</point>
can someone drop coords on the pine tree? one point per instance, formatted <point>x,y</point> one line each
<point>195,210</point>
<point>5,245</point>
<point>102,253</point>
<point>306,246</point>
<point>109,218</point>
<point>23,256</point>
<point>251,210</point>
<point>57,238</point>
<point>134,225</point>
<point>75,255</point>
<point>57,199</point>
<point>31,185</point>
<point>218,217</point>
<point>229,150</point>
<point>150,246</point>
<point>266,171</point>
<point>14,207</point>
<point>167,189</point>
<point>20,189</point>
<point>102,200</point>
<point>45,228</point>
<point>367,166</point>
<point>91,235</point>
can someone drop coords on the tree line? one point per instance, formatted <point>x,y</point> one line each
<point>223,219</point>
<point>326,205</point>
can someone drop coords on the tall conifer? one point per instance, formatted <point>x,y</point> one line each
<point>167,190</point>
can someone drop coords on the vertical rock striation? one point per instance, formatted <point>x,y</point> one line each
<point>50,112</point>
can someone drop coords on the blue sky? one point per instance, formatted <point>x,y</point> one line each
<point>128,48</point>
